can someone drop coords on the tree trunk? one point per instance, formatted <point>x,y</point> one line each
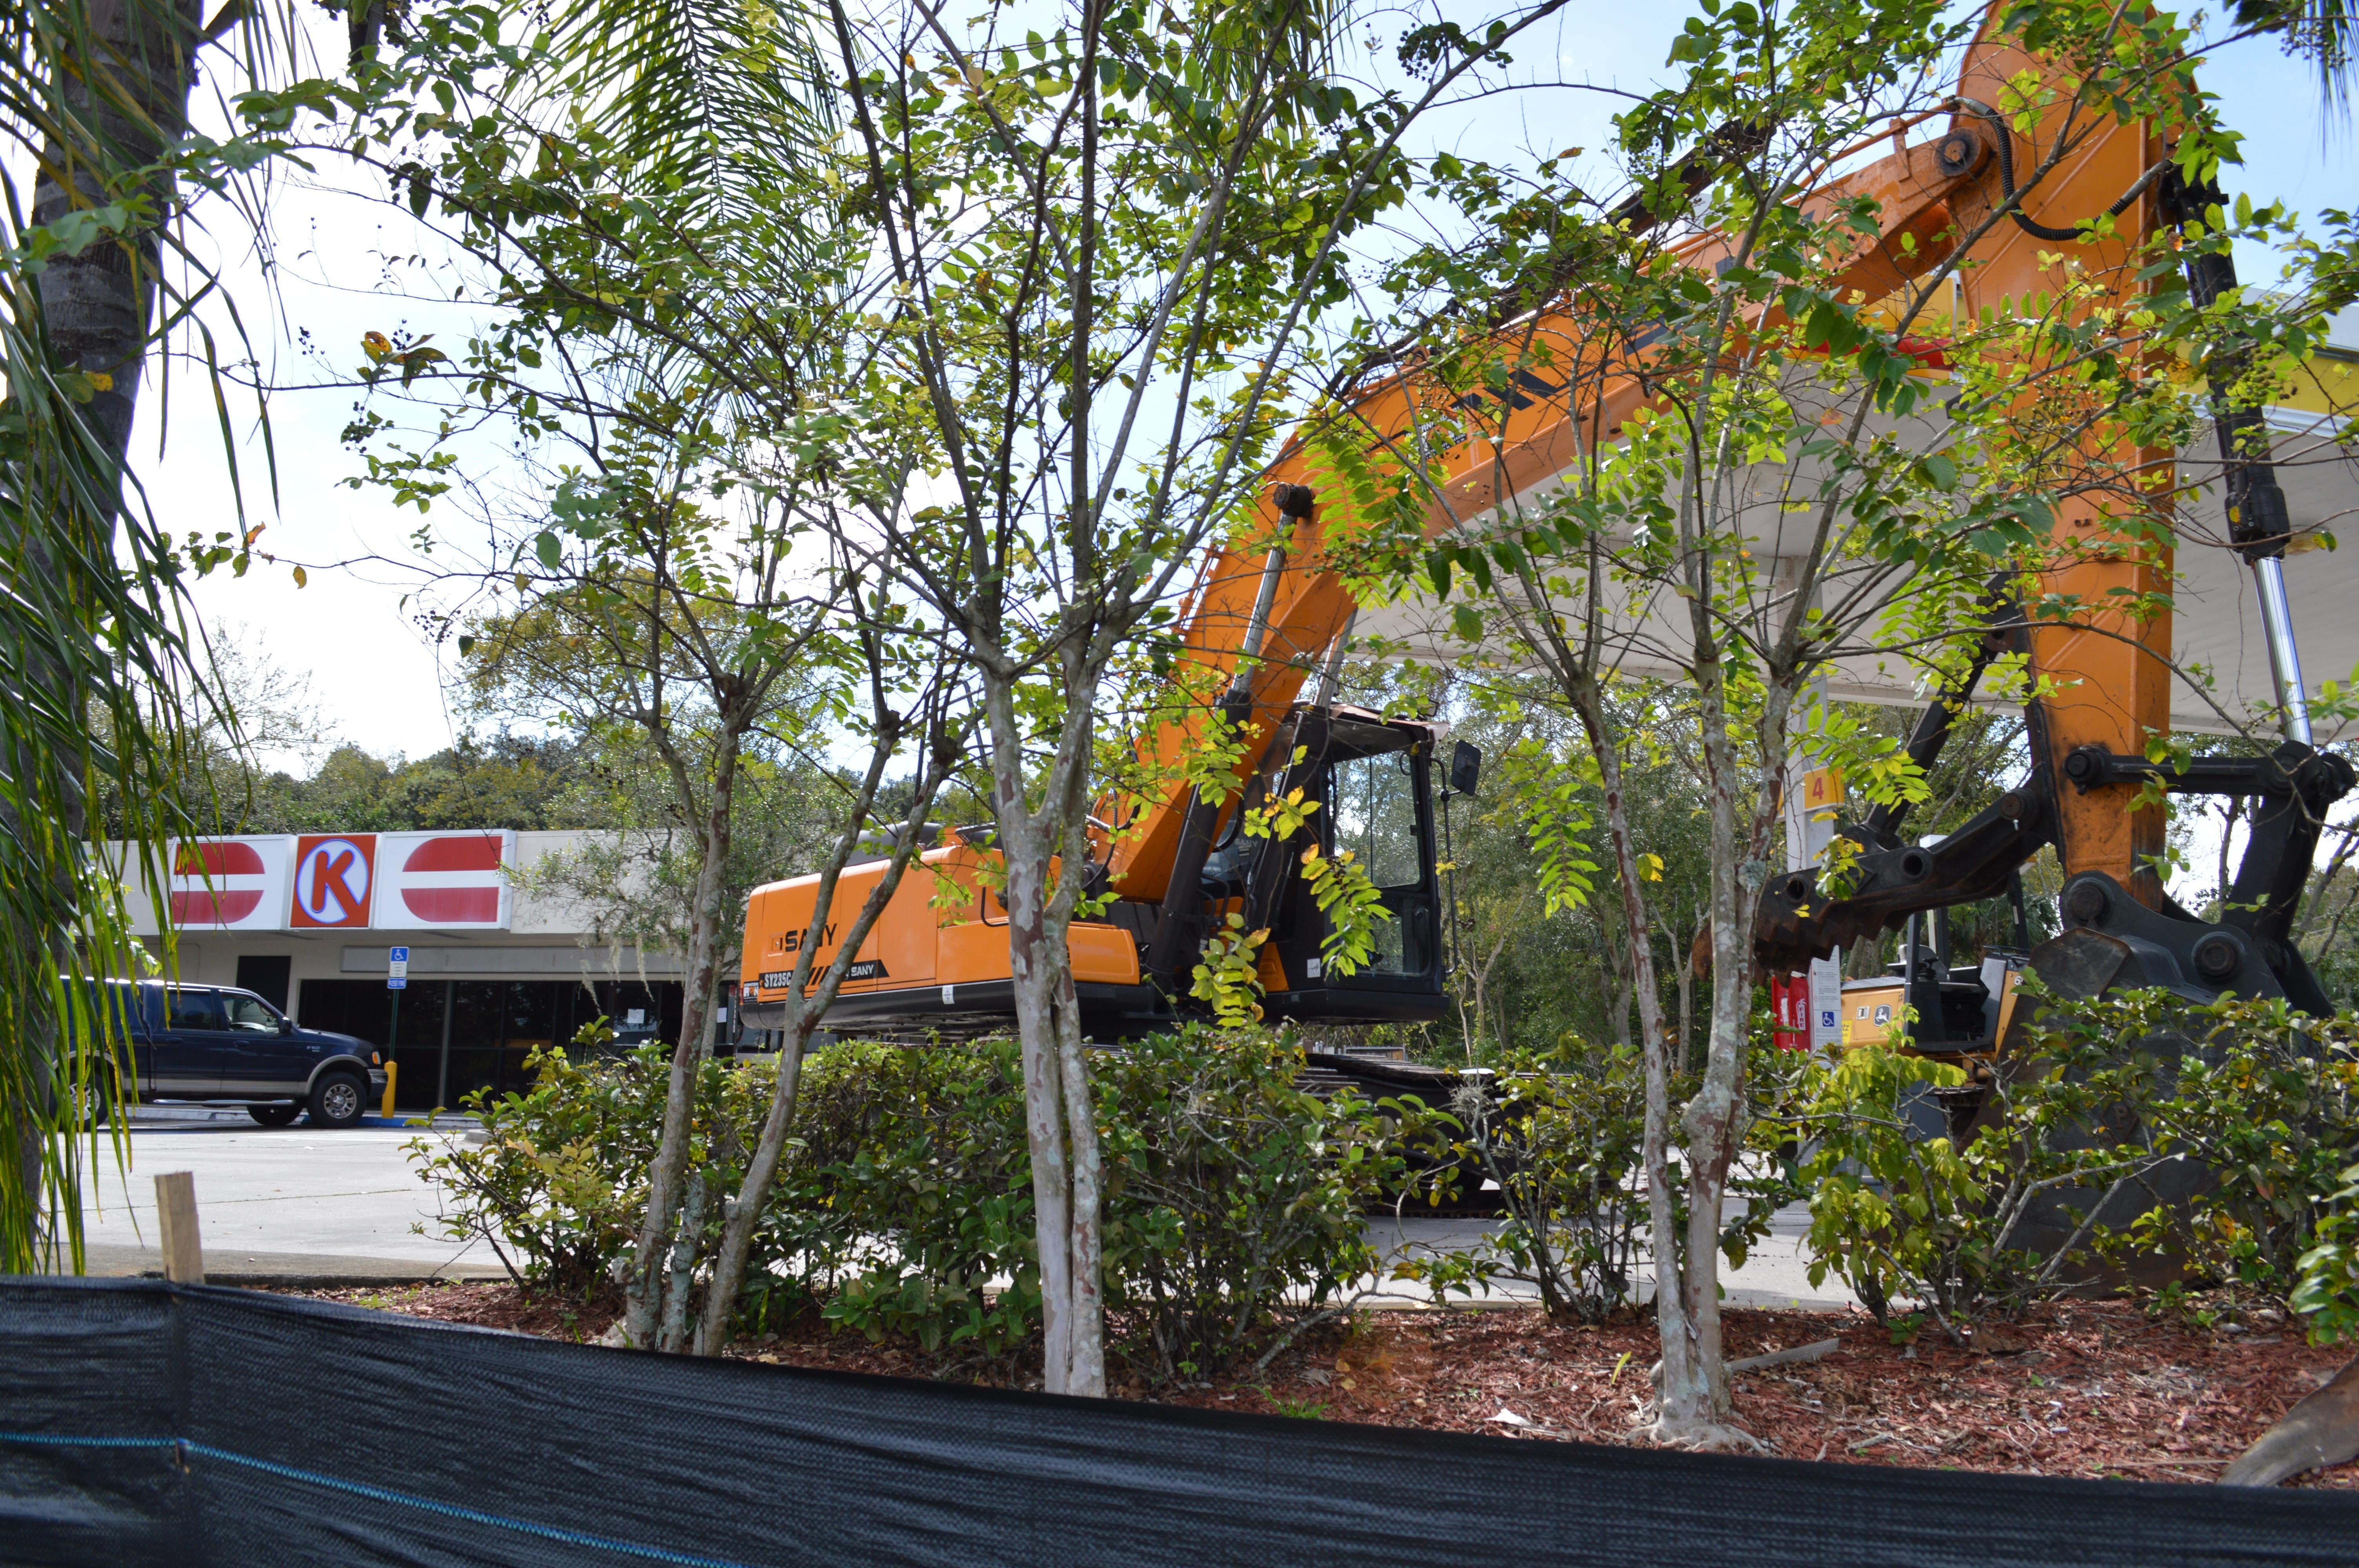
<point>744,1213</point>
<point>673,1334</point>
<point>1694,1404</point>
<point>1085,1372</point>
<point>95,309</point>
<point>647,1284</point>
<point>96,305</point>
<point>1686,1004</point>
<point>1618,985</point>
<point>1662,1229</point>
<point>1060,1119</point>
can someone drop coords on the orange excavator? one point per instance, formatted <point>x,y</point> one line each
<point>1267,621</point>
<point>1266,626</point>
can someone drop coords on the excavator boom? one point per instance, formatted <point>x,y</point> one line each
<point>1272,609</point>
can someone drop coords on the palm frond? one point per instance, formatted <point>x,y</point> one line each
<point>2320,31</point>
<point>720,96</point>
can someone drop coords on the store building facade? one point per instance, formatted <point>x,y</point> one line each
<point>495,967</point>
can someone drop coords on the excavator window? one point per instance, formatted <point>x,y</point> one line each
<point>1376,809</point>
<point>1375,806</point>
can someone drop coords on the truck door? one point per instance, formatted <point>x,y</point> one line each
<point>190,1044</point>
<point>262,1056</point>
<point>129,1036</point>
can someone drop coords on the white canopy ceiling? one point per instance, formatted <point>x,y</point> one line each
<point>2216,632</point>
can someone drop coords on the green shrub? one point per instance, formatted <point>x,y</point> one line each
<point>1561,1135</point>
<point>2326,1288</point>
<point>1892,1213</point>
<point>2268,1101</point>
<point>915,1173</point>
<point>2136,1133</point>
<point>1561,1130</point>
<point>558,1182</point>
<point>1232,1199</point>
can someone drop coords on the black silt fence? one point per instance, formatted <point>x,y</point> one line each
<point>142,1422</point>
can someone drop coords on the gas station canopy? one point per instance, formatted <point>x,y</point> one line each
<point>2215,633</point>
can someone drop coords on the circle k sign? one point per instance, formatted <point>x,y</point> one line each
<point>332,879</point>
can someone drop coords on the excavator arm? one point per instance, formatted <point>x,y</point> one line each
<point>1260,622</point>
<point>2090,789</point>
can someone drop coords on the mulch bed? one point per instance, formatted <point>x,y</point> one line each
<point>2083,1388</point>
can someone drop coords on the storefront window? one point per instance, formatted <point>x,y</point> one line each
<point>493,1026</point>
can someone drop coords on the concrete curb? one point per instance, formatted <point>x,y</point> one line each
<point>335,1281</point>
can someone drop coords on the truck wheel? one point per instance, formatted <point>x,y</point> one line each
<point>99,1101</point>
<point>275,1115</point>
<point>339,1099</point>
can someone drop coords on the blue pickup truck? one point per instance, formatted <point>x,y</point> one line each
<point>222,1044</point>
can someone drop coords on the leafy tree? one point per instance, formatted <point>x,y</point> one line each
<point>668,349</point>
<point>1755,479</point>
<point>1104,231</point>
<point>501,781</point>
<point>672,622</point>
<point>635,883</point>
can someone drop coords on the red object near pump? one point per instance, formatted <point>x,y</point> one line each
<point>1790,1004</point>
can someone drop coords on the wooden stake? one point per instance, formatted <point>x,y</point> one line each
<point>176,1213</point>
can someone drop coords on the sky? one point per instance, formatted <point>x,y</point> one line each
<point>345,266</point>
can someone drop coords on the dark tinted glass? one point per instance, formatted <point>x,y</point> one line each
<point>113,1011</point>
<point>194,1009</point>
<point>475,1029</point>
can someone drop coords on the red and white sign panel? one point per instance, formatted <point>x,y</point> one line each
<point>333,876</point>
<point>229,884</point>
<point>444,880</point>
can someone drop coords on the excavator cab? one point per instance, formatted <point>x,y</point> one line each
<point>1373,783</point>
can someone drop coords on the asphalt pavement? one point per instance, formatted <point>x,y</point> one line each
<point>1775,1274</point>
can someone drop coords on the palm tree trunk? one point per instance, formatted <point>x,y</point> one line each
<point>127,96</point>
<point>119,92</point>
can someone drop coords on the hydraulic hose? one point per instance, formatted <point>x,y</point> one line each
<point>2029,225</point>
